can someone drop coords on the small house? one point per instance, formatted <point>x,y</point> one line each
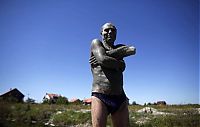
<point>87,101</point>
<point>14,95</point>
<point>50,97</point>
<point>75,101</point>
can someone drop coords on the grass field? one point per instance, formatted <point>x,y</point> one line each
<point>40,115</point>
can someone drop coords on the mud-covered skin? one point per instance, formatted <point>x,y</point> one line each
<point>106,71</point>
<point>120,51</point>
<point>108,79</point>
<point>107,64</point>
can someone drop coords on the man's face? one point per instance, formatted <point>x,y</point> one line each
<point>109,33</point>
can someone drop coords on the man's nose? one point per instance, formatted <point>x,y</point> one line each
<point>110,31</point>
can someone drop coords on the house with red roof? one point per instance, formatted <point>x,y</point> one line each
<point>87,101</point>
<point>50,97</point>
<point>75,101</point>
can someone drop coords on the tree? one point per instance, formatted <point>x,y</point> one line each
<point>56,100</point>
<point>45,101</point>
<point>30,100</point>
<point>61,100</point>
<point>134,103</point>
<point>149,103</point>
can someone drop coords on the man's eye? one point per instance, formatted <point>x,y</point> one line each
<point>106,30</point>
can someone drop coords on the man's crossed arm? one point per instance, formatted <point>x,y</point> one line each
<point>121,51</point>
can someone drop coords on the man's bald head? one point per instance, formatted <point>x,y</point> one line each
<point>107,26</point>
<point>108,33</point>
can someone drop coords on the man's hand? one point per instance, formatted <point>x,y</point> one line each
<point>130,51</point>
<point>93,60</point>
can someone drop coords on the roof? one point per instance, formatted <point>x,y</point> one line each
<point>51,95</point>
<point>74,100</point>
<point>15,90</point>
<point>88,100</point>
<point>161,101</point>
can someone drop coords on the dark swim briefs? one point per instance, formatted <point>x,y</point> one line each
<point>112,102</point>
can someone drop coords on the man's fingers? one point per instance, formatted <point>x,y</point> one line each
<point>93,60</point>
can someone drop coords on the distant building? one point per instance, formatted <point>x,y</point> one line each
<point>87,101</point>
<point>161,103</point>
<point>75,101</point>
<point>14,95</point>
<point>50,97</point>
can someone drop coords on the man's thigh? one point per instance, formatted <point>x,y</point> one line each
<point>99,113</point>
<point>120,118</point>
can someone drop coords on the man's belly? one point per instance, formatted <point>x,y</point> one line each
<point>107,80</point>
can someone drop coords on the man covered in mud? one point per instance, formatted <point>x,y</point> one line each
<point>107,66</point>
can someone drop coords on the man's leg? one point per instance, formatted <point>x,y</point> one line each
<point>99,113</point>
<point>120,118</point>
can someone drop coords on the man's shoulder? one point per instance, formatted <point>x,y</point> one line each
<point>96,42</point>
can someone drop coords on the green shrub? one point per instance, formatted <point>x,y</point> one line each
<point>72,118</point>
<point>62,100</point>
<point>174,121</point>
<point>184,115</point>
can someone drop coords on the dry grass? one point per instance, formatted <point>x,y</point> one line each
<point>36,115</point>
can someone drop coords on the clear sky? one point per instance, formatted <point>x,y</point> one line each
<point>45,47</point>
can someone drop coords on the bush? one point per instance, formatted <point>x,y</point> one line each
<point>62,100</point>
<point>58,100</point>
<point>30,100</point>
<point>71,118</point>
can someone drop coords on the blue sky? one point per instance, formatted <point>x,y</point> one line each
<point>45,47</point>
